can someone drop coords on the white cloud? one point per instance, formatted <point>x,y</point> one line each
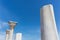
<point>32,35</point>
<point>2,35</point>
<point>3,25</point>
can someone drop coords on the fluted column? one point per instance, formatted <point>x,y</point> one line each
<point>18,36</point>
<point>12,25</point>
<point>48,25</point>
<point>7,35</point>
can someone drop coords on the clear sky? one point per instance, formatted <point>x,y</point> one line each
<point>27,14</point>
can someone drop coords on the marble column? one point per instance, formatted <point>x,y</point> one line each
<point>18,36</point>
<point>48,24</point>
<point>7,34</point>
<point>12,25</point>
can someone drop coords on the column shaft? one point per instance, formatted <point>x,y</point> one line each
<point>48,25</point>
<point>18,36</point>
<point>7,36</point>
<point>11,35</point>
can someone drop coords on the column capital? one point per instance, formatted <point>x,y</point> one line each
<point>12,24</point>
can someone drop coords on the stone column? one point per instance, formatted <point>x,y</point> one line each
<point>7,34</point>
<point>12,25</point>
<point>48,25</point>
<point>18,36</point>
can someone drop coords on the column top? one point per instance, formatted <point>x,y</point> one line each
<point>12,24</point>
<point>50,5</point>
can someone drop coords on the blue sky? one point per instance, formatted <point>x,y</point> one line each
<point>27,14</point>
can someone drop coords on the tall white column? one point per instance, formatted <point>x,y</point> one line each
<point>12,25</point>
<point>48,25</point>
<point>7,35</point>
<point>18,36</point>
